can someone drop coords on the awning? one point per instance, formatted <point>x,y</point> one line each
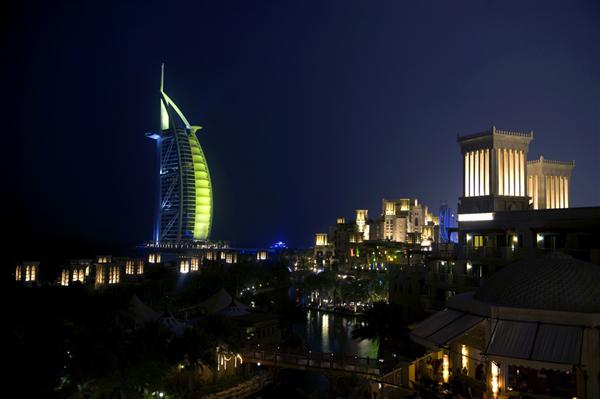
<point>536,342</point>
<point>512,339</point>
<point>443,327</point>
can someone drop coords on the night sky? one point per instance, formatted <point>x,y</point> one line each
<point>311,109</point>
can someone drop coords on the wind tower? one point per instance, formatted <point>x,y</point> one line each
<point>185,191</point>
<point>494,173</point>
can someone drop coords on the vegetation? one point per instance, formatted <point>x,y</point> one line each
<point>79,342</point>
<point>383,322</point>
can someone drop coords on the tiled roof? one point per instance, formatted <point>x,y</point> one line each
<point>556,282</point>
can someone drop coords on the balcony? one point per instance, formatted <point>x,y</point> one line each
<point>501,253</point>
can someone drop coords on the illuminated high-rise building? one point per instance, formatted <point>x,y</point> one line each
<point>185,200</point>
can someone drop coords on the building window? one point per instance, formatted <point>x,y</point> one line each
<point>478,241</point>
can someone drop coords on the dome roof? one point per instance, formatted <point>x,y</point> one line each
<point>556,282</point>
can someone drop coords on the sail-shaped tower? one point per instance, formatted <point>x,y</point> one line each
<point>185,197</point>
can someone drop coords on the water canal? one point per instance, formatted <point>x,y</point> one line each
<point>321,332</point>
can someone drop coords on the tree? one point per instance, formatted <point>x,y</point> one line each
<point>382,322</point>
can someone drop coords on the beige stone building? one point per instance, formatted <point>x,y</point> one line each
<point>548,183</point>
<point>406,220</point>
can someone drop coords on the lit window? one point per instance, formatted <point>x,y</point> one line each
<point>478,241</point>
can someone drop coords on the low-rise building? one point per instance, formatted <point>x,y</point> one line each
<point>532,328</point>
<point>27,272</point>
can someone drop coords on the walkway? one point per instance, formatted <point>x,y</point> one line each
<point>372,369</point>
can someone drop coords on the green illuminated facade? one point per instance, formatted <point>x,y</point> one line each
<point>185,204</point>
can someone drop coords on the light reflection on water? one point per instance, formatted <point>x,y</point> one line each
<point>326,332</point>
<point>321,332</point>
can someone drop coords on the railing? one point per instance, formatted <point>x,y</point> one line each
<point>318,360</point>
<point>373,369</point>
<point>551,161</point>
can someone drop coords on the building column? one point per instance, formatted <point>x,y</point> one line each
<point>535,192</point>
<point>506,169</point>
<point>476,171</point>
<point>522,179</point>
<point>500,169</point>
<point>471,181</point>
<point>481,172</point>
<point>553,192</point>
<point>556,193</point>
<point>511,172</point>
<point>487,171</point>
<point>517,175</point>
<point>547,190</point>
<point>466,176</point>
<point>566,192</point>
<point>561,189</point>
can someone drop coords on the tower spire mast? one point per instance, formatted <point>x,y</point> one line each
<point>162,76</point>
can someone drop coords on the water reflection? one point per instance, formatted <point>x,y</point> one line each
<point>326,332</point>
<point>321,332</point>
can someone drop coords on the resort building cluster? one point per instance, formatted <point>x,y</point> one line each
<point>504,293</point>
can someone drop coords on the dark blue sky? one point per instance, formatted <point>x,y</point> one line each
<point>311,109</point>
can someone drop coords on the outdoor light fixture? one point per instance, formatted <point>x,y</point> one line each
<point>539,237</point>
<point>495,379</point>
<point>445,368</point>
<point>464,351</point>
<point>475,217</point>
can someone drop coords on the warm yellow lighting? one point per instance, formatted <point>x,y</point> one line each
<point>129,267</point>
<point>511,173</point>
<point>522,171</point>
<point>487,172</point>
<point>466,174</point>
<point>471,174</point>
<point>194,264</point>
<point>482,172</point>
<point>445,368</point>
<point>321,239</point>
<point>390,208</point>
<point>114,275</point>
<point>464,351</point>
<point>476,173</point>
<point>184,266</point>
<point>469,265</point>
<point>500,167</point>
<point>100,274</point>
<point>561,181</point>
<point>505,164</point>
<point>495,379</point>
<point>566,192</point>
<point>552,195</point>
<point>536,184</point>
<point>64,277</point>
